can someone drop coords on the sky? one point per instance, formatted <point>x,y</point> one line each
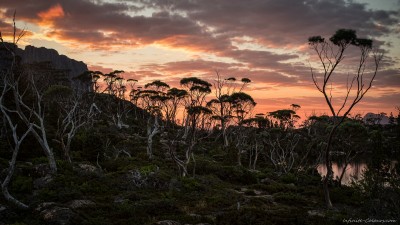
<point>263,40</point>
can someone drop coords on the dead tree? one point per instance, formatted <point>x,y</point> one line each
<point>31,112</point>
<point>15,146</point>
<point>76,112</point>
<point>282,147</point>
<point>7,85</point>
<point>175,141</point>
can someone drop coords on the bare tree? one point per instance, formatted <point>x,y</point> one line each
<point>282,145</point>
<point>8,83</point>
<point>30,111</point>
<point>75,111</point>
<point>175,140</point>
<point>15,146</point>
<point>330,55</point>
<point>221,106</point>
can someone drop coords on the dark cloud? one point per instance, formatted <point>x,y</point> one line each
<point>284,22</point>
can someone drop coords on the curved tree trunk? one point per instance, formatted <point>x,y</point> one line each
<point>6,182</point>
<point>329,171</point>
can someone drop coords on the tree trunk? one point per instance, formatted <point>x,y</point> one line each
<point>150,135</point>
<point>343,172</point>
<point>6,182</point>
<point>239,157</point>
<point>47,150</point>
<point>329,171</point>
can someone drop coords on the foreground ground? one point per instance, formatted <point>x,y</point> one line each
<point>134,190</point>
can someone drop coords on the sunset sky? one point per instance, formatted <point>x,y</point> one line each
<point>264,40</point>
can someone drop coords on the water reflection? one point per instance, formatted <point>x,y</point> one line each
<point>354,171</point>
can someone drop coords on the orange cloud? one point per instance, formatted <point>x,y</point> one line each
<point>47,17</point>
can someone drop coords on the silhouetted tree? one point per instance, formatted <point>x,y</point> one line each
<point>330,54</point>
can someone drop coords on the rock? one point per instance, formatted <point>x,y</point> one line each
<point>41,170</point>
<point>119,200</point>
<point>87,169</point>
<point>42,181</point>
<point>256,192</point>
<point>199,224</point>
<point>57,215</point>
<point>267,181</point>
<point>243,189</point>
<point>316,213</point>
<point>3,211</point>
<point>75,204</point>
<point>195,215</point>
<point>167,222</point>
<point>2,208</point>
<point>44,205</point>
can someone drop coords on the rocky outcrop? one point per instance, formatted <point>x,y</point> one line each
<point>32,54</point>
<point>60,68</point>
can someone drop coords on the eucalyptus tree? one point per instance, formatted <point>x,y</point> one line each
<point>281,145</point>
<point>175,140</point>
<point>222,105</point>
<point>112,82</point>
<point>116,105</point>
<point>242,105</point>
<point>286,118</point>
<point>173,101</point>
<point>152,99</point>
<point>27,103</point>
<point>91,77</point>
<point>17,139</point>
<point>74,111</point>
<point>329,55</point>
<point>26,107</point>
<point>197,90</point>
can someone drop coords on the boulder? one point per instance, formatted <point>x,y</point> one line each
<point>167,222</point>
<point>76,204</point>
<point>316,213</point>
<point>42,182</point>
<point>88,170</point>
<point>55,214</point>
<point>41,170</point>
<point>58,215</point>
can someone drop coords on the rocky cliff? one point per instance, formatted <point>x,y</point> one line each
<point>32,54</point>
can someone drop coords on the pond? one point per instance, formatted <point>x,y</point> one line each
<point>354,171</point>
